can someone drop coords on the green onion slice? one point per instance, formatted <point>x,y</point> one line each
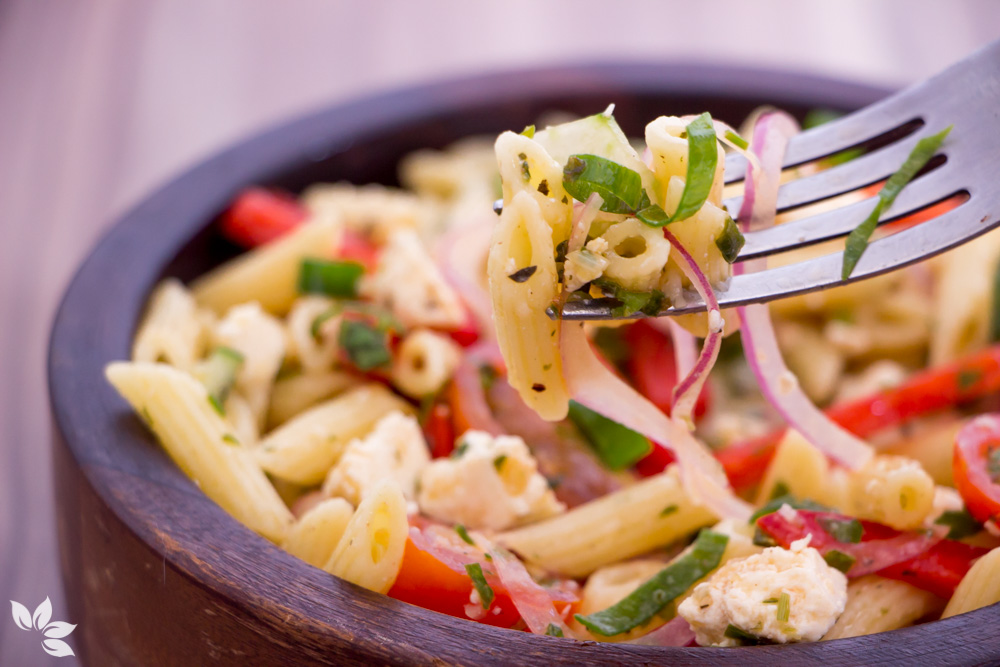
<point>845,531</point>
<point>743,637</point>
<point>528,131</point>
<point>620,188</point>
<point>857,241</point>
<point>730,240</point>
<point>657,592</point>
<point>218,374</point>
<point>737,140</point>
<point>329,277</point>
<point>366,346</point>
<point>554,630</point>
<point>784,607</point>
<point>475,571</point>
<point>464,534</point>
<point>839,560</point>
<point>960,524</point>
<point>617,446</point>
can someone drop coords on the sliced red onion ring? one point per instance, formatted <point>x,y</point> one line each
<point>533,602</point>
<point>676,632</point>
<point>720,131</point>
<point>461,255</point>
<point>760,344</point>
<point>687,390</point>
<point>591,383</point>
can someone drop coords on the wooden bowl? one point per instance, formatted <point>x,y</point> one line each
<point>156,573</point>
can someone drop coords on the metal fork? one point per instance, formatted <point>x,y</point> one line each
<point>966,95</point>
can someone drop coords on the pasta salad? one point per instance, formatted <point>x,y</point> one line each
<point>382,385</point>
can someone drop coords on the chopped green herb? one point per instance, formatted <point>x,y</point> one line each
<point>487,376</point>
<point>730,241</point>
<point>780,489</point>
<point>669,509</point>
<point>522,275</point>
<point>762,539</point>
<point>366,346</point>
<point>744,637</point>
<point>499,461</point>
<point>845,531</point>
<point>383,319</point>
<point>464,534</point>
<point>737,140</point>
<point>649,303</point>
<point>651,597</point>
<point>839,560</point>
<point>775,504</point>
<point>620,188</point>
<point>525,170</point>
<point>770,601</point>
<point>554,630</point>
<point>231,439</point>
<point>617,446</point>
<point>528,131</point>
<point>218,374</point>
<point>543,187</point>
<point>554,482</point>
<point>968,378</point>
<point>784,607</point>
<point>460,450</point>
<point>857,241</point>
<point>475,571</point>
<point>994,333</point>
<point>329,277</point>
<point>960,523</point>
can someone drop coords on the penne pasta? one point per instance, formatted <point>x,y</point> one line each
<point>269,274</point>
<point>314,537</point>
<point>633,521</point>
<point>174,328</point>
<point>876,604</point>
<point>175,406</point>
<point>303,449</point>
<point>295,394</point>
<point>370,552</point>
<point>979,587</point>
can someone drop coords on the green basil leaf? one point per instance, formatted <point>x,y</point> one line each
<point>960,522</point>
<point>845,531</point>
<point>365,345</point>
<point>554,630</point>
<point>839,560</point>
<point>730,240</point>
<point>737,140</point>
<point>618,186</point>
<point>617,446</point>
<point>329,277</point>
<point>660,590</point>
<point>475,571</point>
<point>857,241</point>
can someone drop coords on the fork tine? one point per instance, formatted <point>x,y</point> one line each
<point>925,191</point>
<point>901,249</point>
<point>857,173</point>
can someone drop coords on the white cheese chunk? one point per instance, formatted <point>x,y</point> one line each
<point>260,338</point>
<point>745,593</point>
<point>490,482</point>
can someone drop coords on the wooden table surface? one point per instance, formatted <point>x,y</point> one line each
<point>100,100</point>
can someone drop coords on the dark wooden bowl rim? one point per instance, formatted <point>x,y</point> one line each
<point>97,319</point>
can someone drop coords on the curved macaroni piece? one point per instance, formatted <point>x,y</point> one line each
<point>268,274</point>
<point>303,449</point>
<point>636,255</point>
<point>176,409</point>
<point>635,520</point>
<point>370,552</point>
<point>316,534</point>
<point>528,339</point>
<point>314,353</point>
<point>174,330</point>
<point>423,363</point>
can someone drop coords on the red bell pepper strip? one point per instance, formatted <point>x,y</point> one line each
<point>927,562</point>
<point>928,391</point>
<point>439,430</point>
<point>258,216</point>
<point>976,466</point>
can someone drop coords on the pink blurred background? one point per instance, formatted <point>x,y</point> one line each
<point>101,100</point>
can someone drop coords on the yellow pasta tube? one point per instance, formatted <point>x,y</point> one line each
<point>303,449</point>
<point>176,408</point>
<point>292,395</point>
<point>526,167</point>
<point>528,338</point>
<point>875,604</point>
<point>979,587</point>
<point>620,525</point>
<point>370,552</point>
<point>173,330</point>
<point>269,274</point>
<point>314,537</point>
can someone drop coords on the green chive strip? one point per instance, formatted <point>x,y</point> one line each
<point>656,593</point>
<point>736,140</point>
<point>839,560</point>
<point>464,534</point>
<point>857,242</point>
<point>960,524</point>
<point>617,446</point>
<point>845,531</point>
<point>475,571</point>
<point>365,345</point>
<point>784,607</point>
<point>218,374</point>
<point>329,277</point>
<point>620,188</point>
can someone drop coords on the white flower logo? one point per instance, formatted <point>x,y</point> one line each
<point>39,621</point>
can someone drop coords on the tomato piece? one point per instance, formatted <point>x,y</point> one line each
<point>656,461</point>
<point>976,466</point>
<point>467,334</point>
<point>258,216</point>
<point>940,569</point>
<point>467,398</point>
<point>934,389</point>
<point>439,431</point>
<point>358,248</point>
<point>652,368</point>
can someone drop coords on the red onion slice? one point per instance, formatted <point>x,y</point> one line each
<point>676,632</point>
<point>779,385</point>
<point>533,602</point>
<point>461,255</point>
